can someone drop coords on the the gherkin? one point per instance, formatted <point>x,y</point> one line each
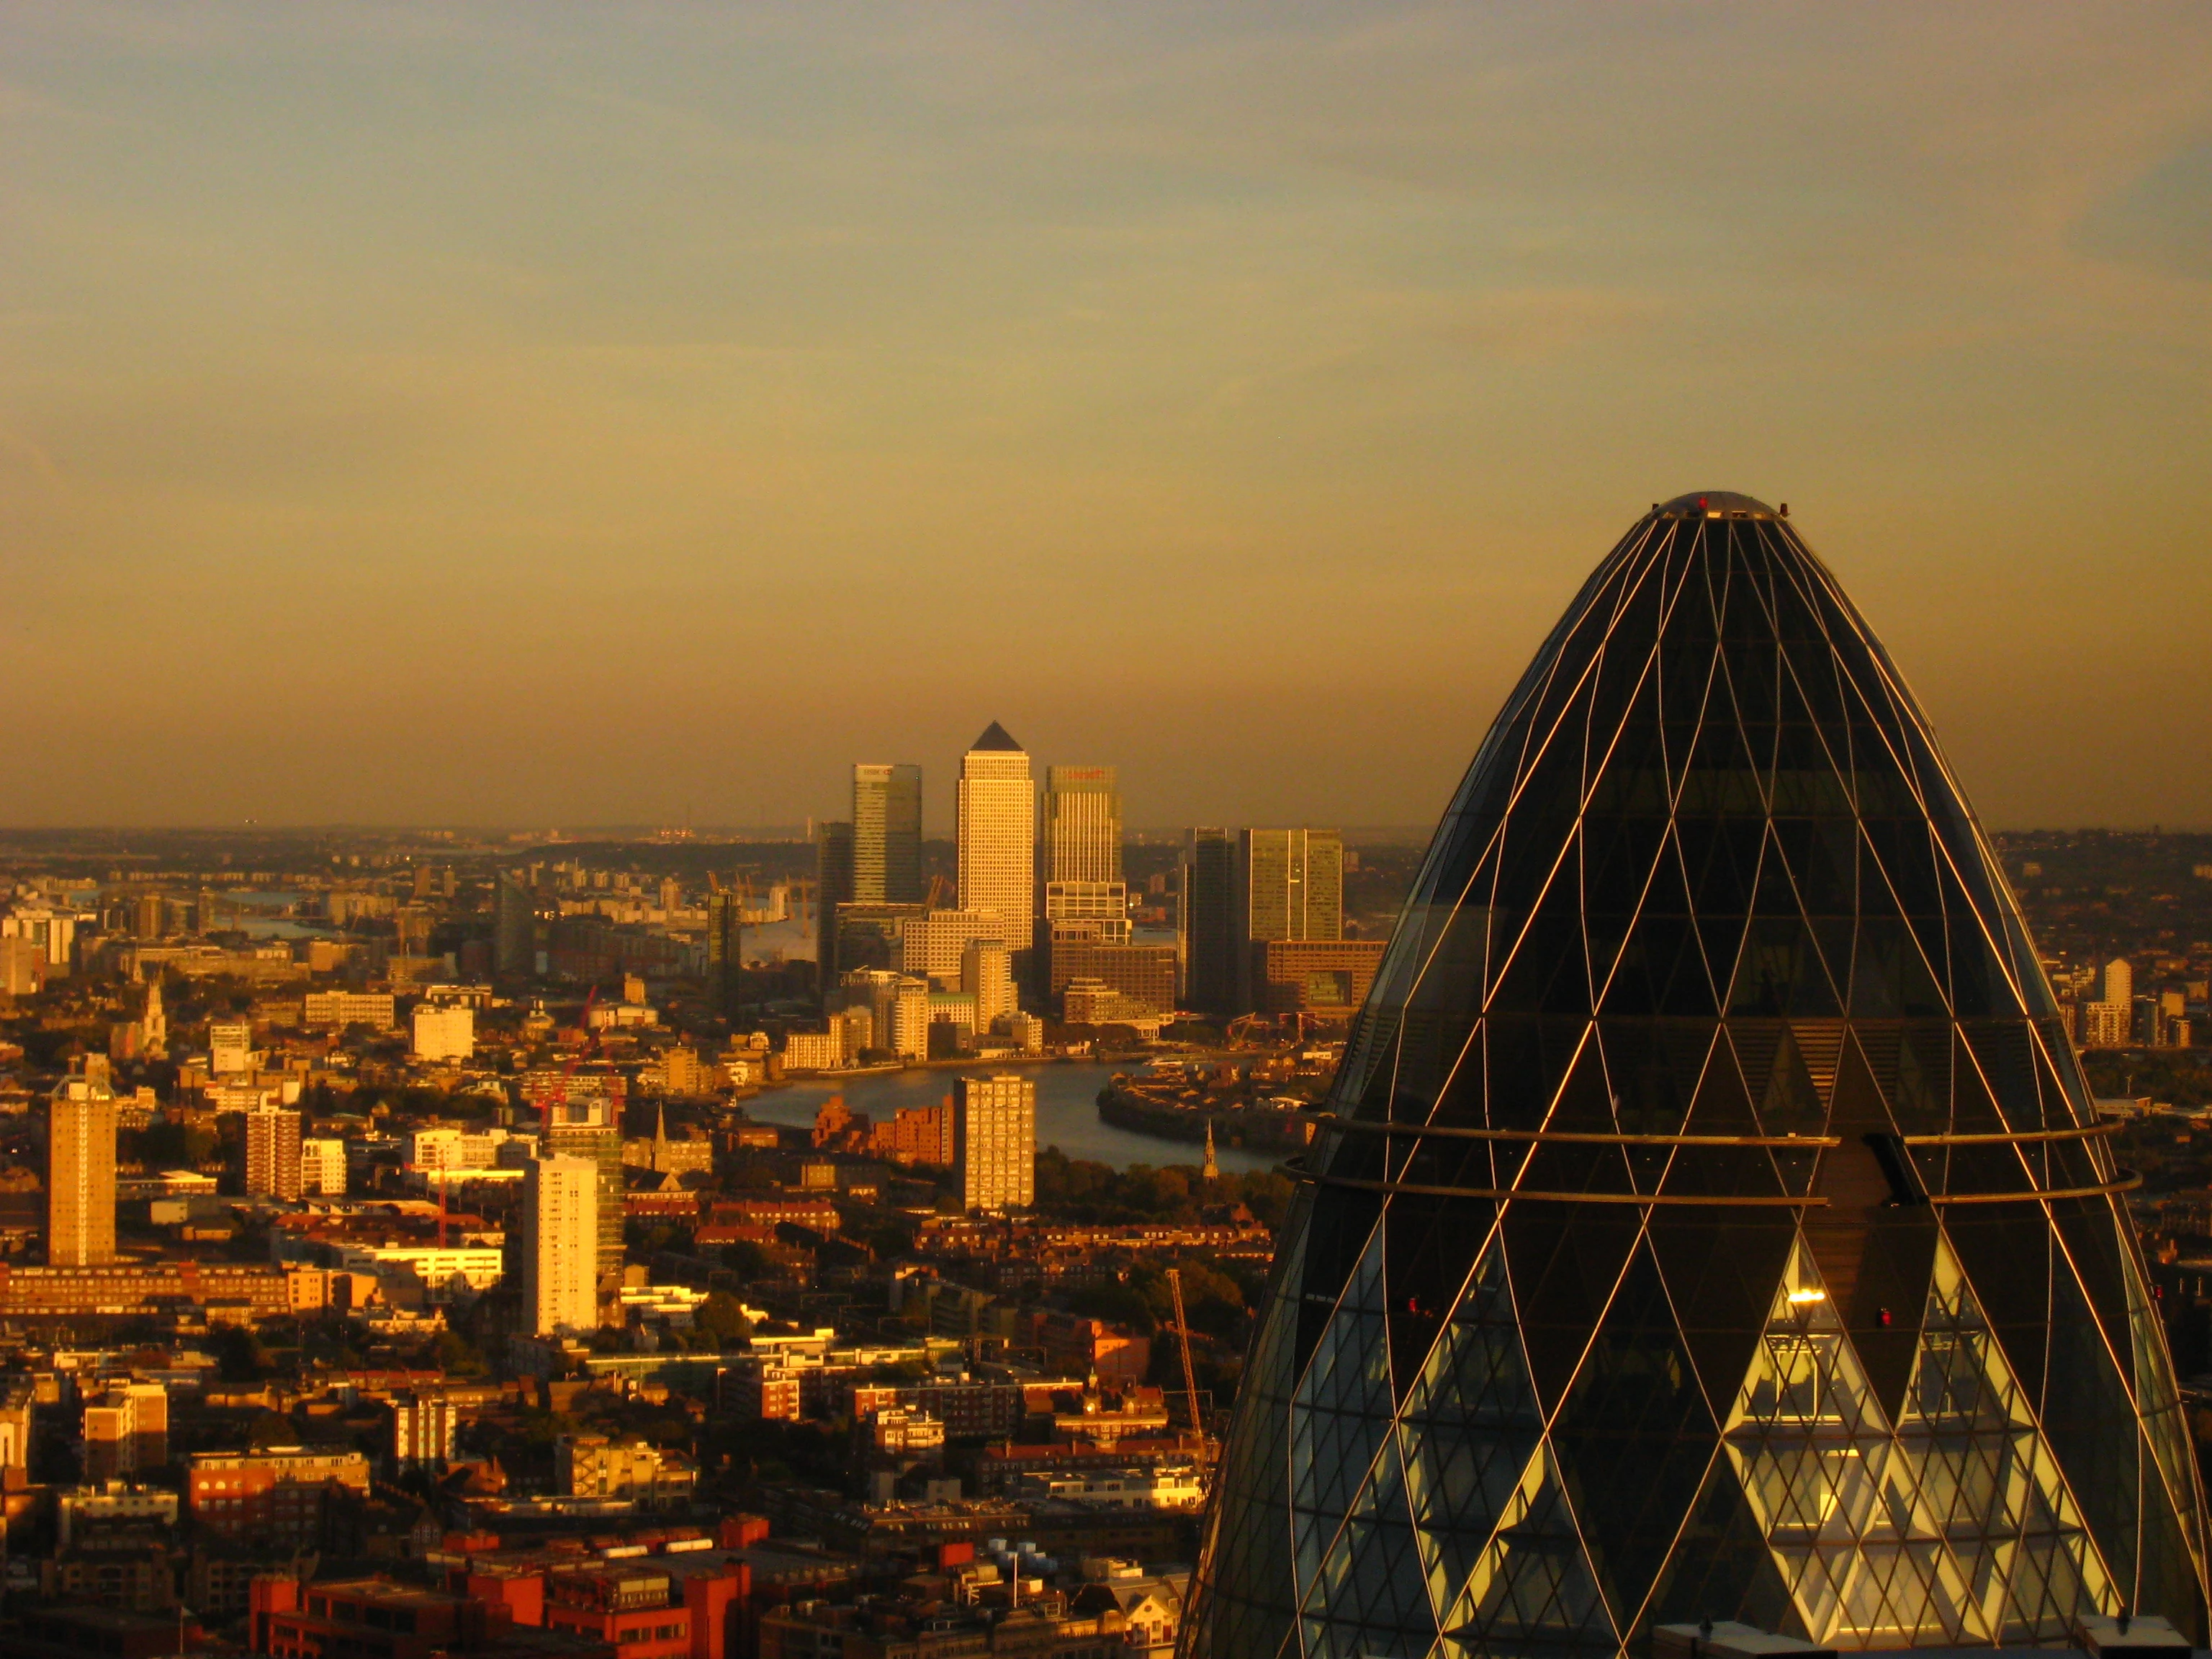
<point>1714,1222</point>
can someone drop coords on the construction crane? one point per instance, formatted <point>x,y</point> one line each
<point>1189,1375</point>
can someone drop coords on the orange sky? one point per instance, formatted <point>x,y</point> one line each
<point>547,414</point>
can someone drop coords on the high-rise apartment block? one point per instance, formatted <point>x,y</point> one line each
<point>1208,922</point>
<point>2117,982</point>
<point>560,1244</point>
<point>997,835</point>
<point>1082,824</point>
<point>443,1032</point>
<point>910,1020</point>
<point>423,1427</point>
<point>81,1173</point>
<point>994,1140</point>
<point>323,1168</point>
<point>272,1155</point>
<point>126,1431</point>
<point>588,1126</point>
<point>887,834</point>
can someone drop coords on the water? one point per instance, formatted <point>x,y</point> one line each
<point>1067,1113</point>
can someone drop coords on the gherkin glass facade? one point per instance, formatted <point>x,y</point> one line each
<point>1712,1221</point>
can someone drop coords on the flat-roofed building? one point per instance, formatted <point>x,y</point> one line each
<point>994,1140</point>
<point>81,1173</point>
<point>276,1497</point>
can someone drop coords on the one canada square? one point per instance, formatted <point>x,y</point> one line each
<point>1713,1223</point>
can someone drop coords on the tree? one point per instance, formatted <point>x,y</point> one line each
<point>723,1315</point>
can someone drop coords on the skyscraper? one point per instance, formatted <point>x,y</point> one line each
<point>1208,922</point>
<point>1082,824</point>
<point>725,952</point>
<point>1290,886</point>
<point>833,886</point>
<point>272,1154</point>
<point>514,927</point>
<point>994,1140</point>
<point>887,834</point>
<point>997,834</point>
<point>1711,1222</point>
<point>588,1126</point>
<point>81,1173</point>
<point>560,1244</point>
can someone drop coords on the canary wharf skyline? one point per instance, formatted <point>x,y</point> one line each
<point>506,415</point>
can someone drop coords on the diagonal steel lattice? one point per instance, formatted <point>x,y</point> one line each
<point>1712,1221</point>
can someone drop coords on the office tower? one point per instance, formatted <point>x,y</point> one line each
<point>997,834</point>
<point>230,1048</point>
<point>514,927</point>
<point>935,942</point>
<point>833,886</point>
<point>725,952</point>
<point>561,1206</point>
<point>1290,886</point>
<point>323,1168</point>
<point>1144,973</point>
<point>1082,824</point>
<point>994,1140</point>
<point>873,936</point>
<point>1102,906</point>
<point>588,1126</point>
<point>986,974</point>
<point>887,834</point>
<point>1206,922</point>
<point>81,1173</point>
<point>272,1154</point>
<point>1710,1226</point>
<point>443,1032</point>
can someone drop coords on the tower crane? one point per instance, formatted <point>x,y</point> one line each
<point>1190,1374</point>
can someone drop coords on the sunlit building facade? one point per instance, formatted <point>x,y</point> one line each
<point>1714,1222</point>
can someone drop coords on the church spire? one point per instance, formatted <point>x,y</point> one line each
<point>1212,1170</point>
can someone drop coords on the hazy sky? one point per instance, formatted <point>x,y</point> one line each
<point>572,414</point>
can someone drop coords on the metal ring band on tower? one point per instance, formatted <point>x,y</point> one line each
<point>1424,1190</point>
<point>1586,1136</point>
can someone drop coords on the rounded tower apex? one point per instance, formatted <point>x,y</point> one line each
<point>1715,504</point>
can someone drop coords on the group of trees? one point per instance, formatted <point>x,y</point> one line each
<point>1077,1189</point>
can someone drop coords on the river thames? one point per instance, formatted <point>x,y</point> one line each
<point>1067,1112</point>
